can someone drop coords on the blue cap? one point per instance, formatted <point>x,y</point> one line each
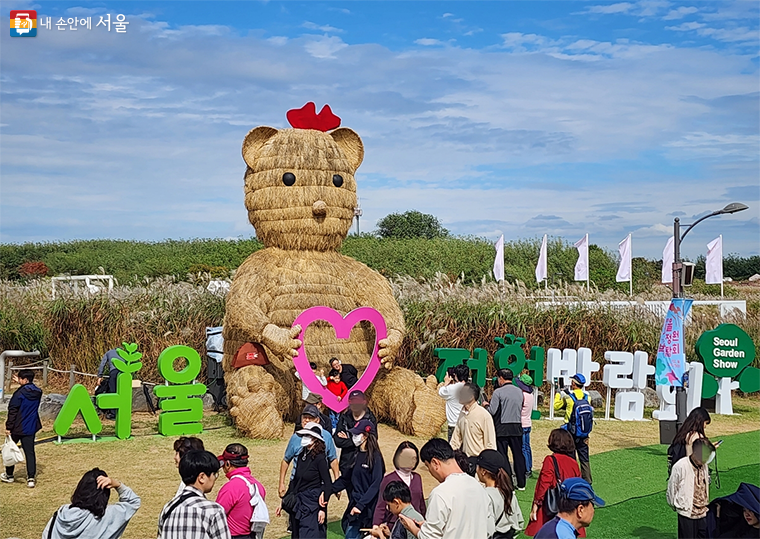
<point>580,490</point>
<point>578,377</point>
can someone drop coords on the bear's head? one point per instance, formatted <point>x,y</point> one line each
<point>300,190</point>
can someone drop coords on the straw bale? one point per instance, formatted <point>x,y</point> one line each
<point>302,226</point>
<point>254,395</point>
<point>403,397</point>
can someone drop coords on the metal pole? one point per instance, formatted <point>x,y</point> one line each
<point>45,364</point>
<point>630,264</point>
<point>677,290</point>
<point>8,378</point>
<point>72,380</point>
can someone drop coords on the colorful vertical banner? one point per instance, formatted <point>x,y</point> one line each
<point>671,359</point>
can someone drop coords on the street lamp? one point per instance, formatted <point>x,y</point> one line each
<point>678,238</point>
<point>678,286</point>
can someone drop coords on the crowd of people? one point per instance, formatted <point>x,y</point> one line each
<point>336,455</point>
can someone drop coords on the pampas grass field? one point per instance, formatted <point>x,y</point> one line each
<point>439,312</point>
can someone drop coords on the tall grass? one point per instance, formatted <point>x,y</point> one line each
<point>439,312</point>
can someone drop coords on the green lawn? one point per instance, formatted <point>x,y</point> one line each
<point>633,483</point>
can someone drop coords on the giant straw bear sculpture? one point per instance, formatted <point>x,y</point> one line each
<point>300,193</point>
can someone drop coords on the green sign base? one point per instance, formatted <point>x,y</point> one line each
<point>97,440</point>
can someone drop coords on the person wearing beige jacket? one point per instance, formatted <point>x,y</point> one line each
<point>689,490</point>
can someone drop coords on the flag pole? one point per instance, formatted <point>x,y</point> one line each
<point>721,266</point>
<point>588,267</point>
<point>630,259</point>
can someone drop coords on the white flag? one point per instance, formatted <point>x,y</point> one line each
<point>581,267</point>
<point>667,261</point>
<point>541,271</point>
<point>624,270</point>
<point>714,262</point>
<point>498,263</point>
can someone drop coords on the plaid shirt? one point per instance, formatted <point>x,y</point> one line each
<point>195,518</point>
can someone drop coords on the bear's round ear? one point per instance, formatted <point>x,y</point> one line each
<point>254,140</point>
<point>350,144</point>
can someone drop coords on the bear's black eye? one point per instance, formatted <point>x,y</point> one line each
<point>337,180</point>
<point>288,178</point>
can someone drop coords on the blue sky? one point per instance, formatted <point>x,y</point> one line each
<point>521,118</point>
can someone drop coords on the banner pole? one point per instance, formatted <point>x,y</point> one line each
<point>630,259</point>
<point>588,268</point>
<point>721,266</point>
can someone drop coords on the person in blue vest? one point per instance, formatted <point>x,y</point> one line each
<point>23,422</point>
<point>578,419</point>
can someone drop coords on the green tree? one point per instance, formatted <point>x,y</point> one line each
<point>411,224</point>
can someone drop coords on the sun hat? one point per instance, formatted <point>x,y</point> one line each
<point>492,460</point>
<point>314,432</point>
<point>526,379</point>
<point>579,490</point>
<point>363,426</point>
<point>578,377</point>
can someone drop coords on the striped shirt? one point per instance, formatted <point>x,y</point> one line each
<point>194,518</point>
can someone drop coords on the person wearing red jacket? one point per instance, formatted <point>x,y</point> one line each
<point>563,452</point>
<point>337,387</point>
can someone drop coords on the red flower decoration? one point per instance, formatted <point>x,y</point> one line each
<point>307,118</point>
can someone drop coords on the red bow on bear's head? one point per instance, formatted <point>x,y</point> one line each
<point>307,118</point>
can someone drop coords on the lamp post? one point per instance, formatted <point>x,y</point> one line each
<point>678,285</point>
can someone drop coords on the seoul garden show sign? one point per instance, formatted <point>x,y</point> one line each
<point>181,407</point>
<point>725,352</point>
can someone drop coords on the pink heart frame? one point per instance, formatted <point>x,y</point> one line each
<point>343,326</point>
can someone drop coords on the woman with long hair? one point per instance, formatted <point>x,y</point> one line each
<point>311,485</point>
<point>89,515</point>
<point>405,461</point>
<point>560,463</point>
<point>693,428</point>
<point>491,471</point>
<point>362,480</point>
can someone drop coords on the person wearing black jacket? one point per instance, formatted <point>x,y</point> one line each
<point>364,478</point>
<point>357,410</point>
<point>311,483</point>
<point>348,373</point>
<point>23,422</point>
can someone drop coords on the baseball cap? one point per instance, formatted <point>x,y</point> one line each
<point>578,377</point>
<point>357,396</point>
<point>363,426</point>
<point>580,490</point>
<point>311,411</point>
<point>526,379</point>
<point>492,460</point>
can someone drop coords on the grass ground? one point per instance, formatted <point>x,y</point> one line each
<point>629,472</point>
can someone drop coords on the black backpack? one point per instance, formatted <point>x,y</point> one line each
<point>675,453</point>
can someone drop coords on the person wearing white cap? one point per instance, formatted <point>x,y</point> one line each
<point>309,487</point>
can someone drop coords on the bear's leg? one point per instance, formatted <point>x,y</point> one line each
<point>256,401</point>
<point>421,415</point>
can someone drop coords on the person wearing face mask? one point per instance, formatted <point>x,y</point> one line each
<point>309,418</point>
<point>309,487</point>
<point>357,410</point>
<point>364,478</point>
<point>405,461</point>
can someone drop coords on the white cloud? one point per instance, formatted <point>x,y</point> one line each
<point>680,13</point>
<point>657,229</point>
<point>428,42</point>
<point>322,28</point>
<point>686,26</point>
<point>324,46</point>
<point>607,9</point>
